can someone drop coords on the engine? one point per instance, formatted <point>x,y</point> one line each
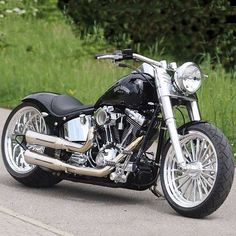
<point>114,130</point>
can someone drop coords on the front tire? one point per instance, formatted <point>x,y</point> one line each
<point>200,191</point>
<point>26,116</point>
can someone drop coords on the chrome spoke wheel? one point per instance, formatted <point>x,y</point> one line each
<point>189,188</point>
<point>26,118</point>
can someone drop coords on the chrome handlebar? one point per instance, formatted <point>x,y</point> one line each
<point>127,54</point>
<point>147,60</point>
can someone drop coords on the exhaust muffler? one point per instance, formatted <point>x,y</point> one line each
<point>57,165</point>
<point>35,138</point>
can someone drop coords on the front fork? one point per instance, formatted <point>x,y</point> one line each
<point>163,85</point>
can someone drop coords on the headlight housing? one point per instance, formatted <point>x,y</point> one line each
<point>188,78</point>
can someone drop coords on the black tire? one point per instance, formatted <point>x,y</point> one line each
<point>223,178</point>
<point>37,177</point>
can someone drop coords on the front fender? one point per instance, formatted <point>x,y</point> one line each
<point>182,129</point>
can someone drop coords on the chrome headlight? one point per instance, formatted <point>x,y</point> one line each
<point>188,78</point>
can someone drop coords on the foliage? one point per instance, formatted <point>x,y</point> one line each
<point>183,29</point>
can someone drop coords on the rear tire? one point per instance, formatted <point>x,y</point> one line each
<point>198,193</point>
<point>26,116</point>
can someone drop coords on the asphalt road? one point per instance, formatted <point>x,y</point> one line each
<point>79,209</point>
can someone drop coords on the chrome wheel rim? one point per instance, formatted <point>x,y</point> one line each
<point>189,188</point>
<point>27,118</point>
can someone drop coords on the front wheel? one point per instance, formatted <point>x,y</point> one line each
<point>201,189</point>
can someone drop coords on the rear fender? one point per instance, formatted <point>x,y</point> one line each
<point>43,101</point>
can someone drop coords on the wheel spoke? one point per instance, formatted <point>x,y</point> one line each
<point>203,143</point>
<point>209,176</point>
<point>189,183</point>
<point>199,189</point>
<point>24,119</point>
<point>209,170</point>
<point>206,181</point>
<point>197,149</point>
<point>204,154</point>
<point>193,150</point>
<point>40,124</point>
<point>179,178</point>
<point>209,164</point>
<point>27,118</point>
<point>14,153</point>
<point>194,190</point>
<point>36,123</point>
<point>191,190</point>
<point>188,154</point>
<point>203,186</point>
<point>207,158</point>
<point>184,182</point>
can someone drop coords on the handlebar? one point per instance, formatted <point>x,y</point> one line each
<point>127,54</point>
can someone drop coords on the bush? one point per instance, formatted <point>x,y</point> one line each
<point>184,29</point>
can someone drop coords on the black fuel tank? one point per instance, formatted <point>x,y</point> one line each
<point>132,91</point>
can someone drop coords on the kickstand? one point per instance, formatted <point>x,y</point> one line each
<point>156,192</point>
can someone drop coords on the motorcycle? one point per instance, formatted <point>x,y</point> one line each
<point>51,137</point>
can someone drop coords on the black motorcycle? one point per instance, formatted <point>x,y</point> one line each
<point>127,139</point>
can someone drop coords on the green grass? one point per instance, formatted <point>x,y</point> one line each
<point>217,99</point>
<point>37,55</point>
<point>40,55</point>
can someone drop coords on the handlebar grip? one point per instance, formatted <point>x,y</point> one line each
<point>99,55</point>
<point>127,54</point>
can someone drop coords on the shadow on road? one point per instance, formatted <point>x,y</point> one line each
<point>90,194</point>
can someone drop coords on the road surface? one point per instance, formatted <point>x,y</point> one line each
<point>79,209</point>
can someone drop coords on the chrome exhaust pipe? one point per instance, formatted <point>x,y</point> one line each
<point>35,138</point>
<point>57,165</point>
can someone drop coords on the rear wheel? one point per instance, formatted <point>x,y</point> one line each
<point>25,117</point>
<point>201,189</point>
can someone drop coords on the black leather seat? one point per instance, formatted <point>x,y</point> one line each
<point>63,105</point>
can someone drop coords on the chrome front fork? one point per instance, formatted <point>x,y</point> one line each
<point>193,111</point>
<point>163,85</point>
